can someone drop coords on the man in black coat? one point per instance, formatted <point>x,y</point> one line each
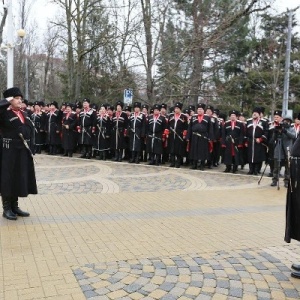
<point>155,129</point>
<point>256,141</point>
<point>136,128</point>
<point>232,142</point>
<point>292,228</point>
<point>177,125</point>
<point>17,167</point>
<point>200,135</point>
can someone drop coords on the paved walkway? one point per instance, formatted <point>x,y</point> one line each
<point>106,230</point>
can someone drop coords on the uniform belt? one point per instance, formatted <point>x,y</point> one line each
<point>295,157</point>
<point>8,140</point>
<point>15,143</point>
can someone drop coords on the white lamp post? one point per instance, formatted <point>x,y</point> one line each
<point>10,44</point>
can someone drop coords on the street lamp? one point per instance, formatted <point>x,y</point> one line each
<point>9,47</point>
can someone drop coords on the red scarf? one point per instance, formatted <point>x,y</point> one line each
<point>200,118</point>
<point>19,115</point>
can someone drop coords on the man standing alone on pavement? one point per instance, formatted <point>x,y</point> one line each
<point>292,228</point>
<point>17,143</point>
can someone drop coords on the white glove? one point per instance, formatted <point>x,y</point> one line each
<point>9,99</point>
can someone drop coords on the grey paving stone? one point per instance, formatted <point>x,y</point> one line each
<point>131,288</point>
<point>167,286</point>
<point>235,292</point>
<point>177,291</point>
<point>198,284</point>
<point>159,265</point>
<point>172,270</point>
<point>89,294</point>
<point>194,269</point>
<point>102,291</point>
<point>260,266</point>
<point>149,287</point>
<point>80,276</point>
<point>113,280</point>
<point>116,286</point>
<point>223,284</point>
<point>147,275</point>
<point>169,297</point>
<point>280,276</point>
<point>200,261</point>
<point>86,287</point>
<point>291,293</point>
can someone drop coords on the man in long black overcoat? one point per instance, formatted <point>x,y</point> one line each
<point>17,167</point>
<point>292,228</point>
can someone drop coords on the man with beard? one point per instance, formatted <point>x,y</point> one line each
<point>119,131</point>
<point>232,141</point>
<point>177,125</point>
<point>136,131</point>
<point>216,135</point>
<point>200,134</point>
<point>53,128</point>
<point>155,129</point>
<point>38,117</point>
<point>69,123</point>
<point>256,133</point>
<point>86,128</point>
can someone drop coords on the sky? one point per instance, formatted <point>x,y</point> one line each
<point>45,9</point>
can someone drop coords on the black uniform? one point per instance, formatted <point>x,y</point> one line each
<point>86,128</point>
<point>102,135</point>
<point>232,141</point>
<point>119,130</point>
<point>39,121</point>
<point>200,133</point>
<point>69,125</point>
<point>53,129</point>
<point>136,130</point>
<point>155,129</point>
<point>256,130</point>
<point>177,125</point>
<point>17,167</point>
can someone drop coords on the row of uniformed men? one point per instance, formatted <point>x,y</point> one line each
<point>199,136</point>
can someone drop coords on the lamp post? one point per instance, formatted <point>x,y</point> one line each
<point>10,45</point>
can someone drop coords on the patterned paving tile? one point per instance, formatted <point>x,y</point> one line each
<point>235,274</point>
<point>82,187</point>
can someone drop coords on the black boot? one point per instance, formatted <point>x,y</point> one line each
<point>70,153</point>
<point>120,154</point>
<point>116,158</point>
<point>104,154</point>
<point>172,159</point>
<point>132,159</point>
<point>16,209</point>
<point>178,162</point>
<point>228,169</point>
<point>137,159</point>
<point>274,182</point>
<point>201,165</point>
<point>234,169</point>
<point>194,165</point>
<point>83,155</point>
<point>7,212</point>
<point>151,160</point>
<point>295,274</point>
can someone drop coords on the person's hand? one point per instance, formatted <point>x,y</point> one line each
<point>67,126</point>
<point>9,99</point>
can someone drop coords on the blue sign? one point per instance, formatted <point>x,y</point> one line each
<point>128,95</point>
